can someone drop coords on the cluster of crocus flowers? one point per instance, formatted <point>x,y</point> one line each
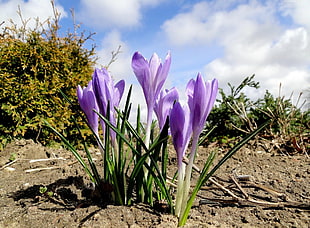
<point>103,96</point>
<point>187,122</point>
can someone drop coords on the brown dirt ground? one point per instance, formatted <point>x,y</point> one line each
<point>22,205</point>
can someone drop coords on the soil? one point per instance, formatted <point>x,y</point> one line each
<point>275,192</point>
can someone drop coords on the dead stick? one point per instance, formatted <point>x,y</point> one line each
<point>211,179</point>
<point>8,164</point>
<point>40,169</point>
<point>233,178</point>
<point>241,200</point>
<point>271,191</point>
<point>45,159</point>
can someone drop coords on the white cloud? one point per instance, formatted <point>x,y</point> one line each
<point>111,14</point>
<point>298,10</point>
<point>291,49</point>
<point>121,68</point>
<point>253,39</point>
<point>31,9</point>
<point>208,22</point>
<point>106,13</point>
<point>188,27</point>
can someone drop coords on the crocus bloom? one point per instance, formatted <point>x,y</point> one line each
<point>201,98</point>
<point>151,76</point>
<point>107,93</point>
<point>88,103</point>
<point>164,104</point>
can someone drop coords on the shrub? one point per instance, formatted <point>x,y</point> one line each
<point>236,115</point>
<point>34,65</point>
<point>230,113</point>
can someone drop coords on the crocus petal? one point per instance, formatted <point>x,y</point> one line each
<point>162,74</point>
<point>180,126</point>
<point>107,94</point>
<point>177,120</point>
<point>155,65</point>
<point>190,92</point>
<point>213,91</point>
<point>201,98</point>
<point>164,104</point>
<point>88,103</point>
<point>166,65</point>
<point>118,91</point>
<point>199,103</point>
<point>100,89</point>
<point>141,69</point>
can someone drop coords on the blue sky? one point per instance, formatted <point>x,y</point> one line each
<point>225,39</point>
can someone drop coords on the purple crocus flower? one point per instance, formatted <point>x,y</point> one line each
<point>107,93</point>
<point>164,104</point>
<point>88,103</point>
<point>201,98</point>
<point>180,126</point>
<point>151,75</point>
<point>181,130</point>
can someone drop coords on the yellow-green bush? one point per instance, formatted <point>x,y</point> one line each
<point>34,65</point>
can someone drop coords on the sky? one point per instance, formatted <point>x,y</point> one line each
<point>224,39</point>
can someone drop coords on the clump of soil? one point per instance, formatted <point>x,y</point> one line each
<point>51,192</point>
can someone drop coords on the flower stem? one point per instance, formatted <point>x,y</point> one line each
<point>148,127</point>
<point>188,174</point>
<point>147,144</point>
<point>179,197</point>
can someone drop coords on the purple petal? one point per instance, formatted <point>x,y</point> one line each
<point>87,101</point>
<point>162,74</point>
<point>201,98</point>
<point>118,92</point>
<point>166,65</point>
<point>164,105</point>
<point>154,64</point>
<point>190,92</point>
<point>100,89</point>
<point>212,99</point>
<point>180,126</point>
<point>200,101</point>
<point>141,69</point>
<point>79,93</point>
<point>107,93</point>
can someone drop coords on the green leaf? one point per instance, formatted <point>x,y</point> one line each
<point>74,152</point>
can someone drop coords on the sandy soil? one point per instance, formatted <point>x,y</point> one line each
<point>277,189</point>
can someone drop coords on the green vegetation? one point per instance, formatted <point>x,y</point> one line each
<point>236,115</point>
<point>34,65</point>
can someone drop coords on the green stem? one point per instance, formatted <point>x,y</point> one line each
<point>147,144</point>
<point>148,127</point>
<point>179,197</point>
<point>188,173</point>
